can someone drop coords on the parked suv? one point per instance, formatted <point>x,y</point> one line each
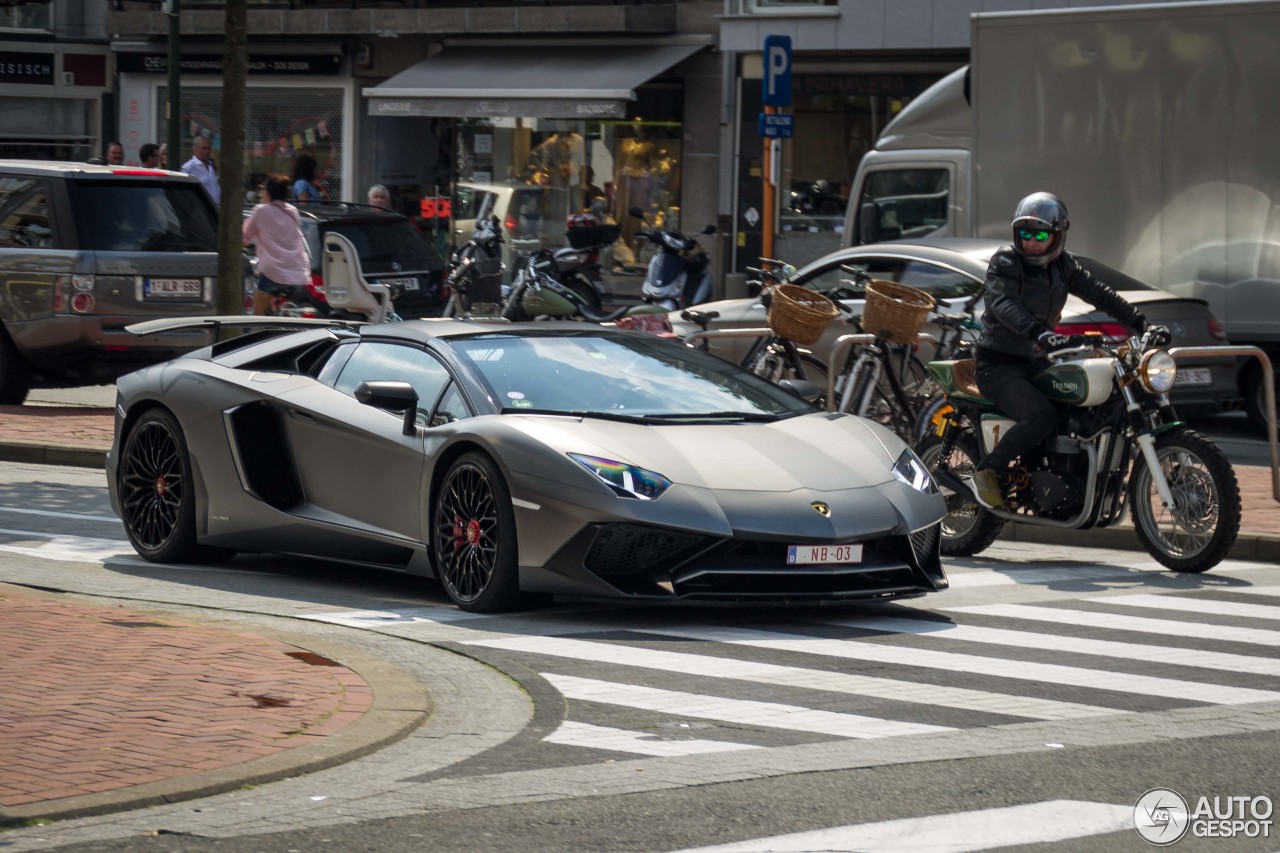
<point>85,251</point>
<point>392,252</point>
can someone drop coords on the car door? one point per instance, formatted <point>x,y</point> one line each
<point>357,467</point>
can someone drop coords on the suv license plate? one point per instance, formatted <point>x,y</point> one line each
<point>406,283</point>
<point>1192,376</point>
<point>808,555</point>
<point>173,288</point>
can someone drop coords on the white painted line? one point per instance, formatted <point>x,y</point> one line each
<point>1273,591</point>
<point>811,679</point>
<point>1195,605</point>
<point>54,514</point>
<point>1120,682</point>
<point>621,740</point>
<point>369,619</point>
<point>67,549</point>
<point>986,829</point>
<point>745,711</point>
<point>980,578</point>
<point>1070,645</point>
<point>1124,622</point>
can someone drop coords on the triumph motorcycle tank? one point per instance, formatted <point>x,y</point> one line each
<point>1078,383</point>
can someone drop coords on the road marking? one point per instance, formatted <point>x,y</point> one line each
<point>52,514</point>
<point>621,740</point>
<point>1273,591</point>
<point>1074,645</point>
<point>67,549</point>
<point>811,679</point>
<point>1120,682</point>
<point>1124,622</point>
<point>984,829</point>
<point>382,618</point>
<point>1195,605</point>
<point>749,712</point>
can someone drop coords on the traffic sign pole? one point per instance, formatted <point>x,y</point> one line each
<point>776,91</point>
<point>767,221</point>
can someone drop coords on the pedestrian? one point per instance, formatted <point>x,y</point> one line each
<point>380,196</point>
<point>1027,285</point>
<point>304,180</point>
<point>164,155</point>
<point>115,154</point>
<point>274,229</point>
<point>149,155</point>
<point>200,166</point>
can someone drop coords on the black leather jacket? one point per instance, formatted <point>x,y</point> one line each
<point>1024,301</point>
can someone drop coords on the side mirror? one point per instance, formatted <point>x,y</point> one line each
<point>392,396</point>
<point>710,229</point>
<point>868,222</point>
<point>636,212</point>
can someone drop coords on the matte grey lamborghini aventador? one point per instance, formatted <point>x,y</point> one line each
<point>504,460</point>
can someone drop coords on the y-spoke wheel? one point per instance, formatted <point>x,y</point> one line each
<point>1196,533</point>
<point>474,536</point>
<point>156,497</point>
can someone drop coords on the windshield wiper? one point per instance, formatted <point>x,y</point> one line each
<point>606,416</point>
<point>751,417</point>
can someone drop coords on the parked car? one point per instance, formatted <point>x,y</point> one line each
<point>953,270</point>
<point>549,457</point>
<point>392,252</point>
<point>84,251</point>
<point>532,217</point>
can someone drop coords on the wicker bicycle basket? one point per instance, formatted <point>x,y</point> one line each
<point>895,312</point>
<point>798,314</point>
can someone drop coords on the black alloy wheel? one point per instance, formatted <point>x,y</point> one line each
<point>474,536</point>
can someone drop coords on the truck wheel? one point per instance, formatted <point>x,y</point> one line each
<point>15,381</point>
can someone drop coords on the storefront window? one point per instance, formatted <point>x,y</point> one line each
<point>47,128</point>
<point>282,128</point>
<point>27,16</point>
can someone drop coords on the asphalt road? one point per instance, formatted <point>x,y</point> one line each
<point>1026,708</point>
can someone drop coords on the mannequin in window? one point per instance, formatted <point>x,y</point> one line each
<point>634,182</point>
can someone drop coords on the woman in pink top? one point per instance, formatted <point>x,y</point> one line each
<point>274,229</point>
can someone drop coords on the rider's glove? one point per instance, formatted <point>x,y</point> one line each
<point>1139,322</point>
<point>1159,335</point>
<point>1052,341</point>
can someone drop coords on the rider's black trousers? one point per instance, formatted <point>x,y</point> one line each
<point>1006,381</point>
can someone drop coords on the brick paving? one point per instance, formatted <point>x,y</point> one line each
<point>100,698</point>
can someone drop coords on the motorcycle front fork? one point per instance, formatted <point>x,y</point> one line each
<point>1147,443</point>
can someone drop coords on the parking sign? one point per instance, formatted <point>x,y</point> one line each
<point>777,71</point>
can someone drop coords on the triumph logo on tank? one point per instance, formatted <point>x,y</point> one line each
<point>1065,387</point>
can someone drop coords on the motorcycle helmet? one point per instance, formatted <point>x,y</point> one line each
<point>1041,218</point>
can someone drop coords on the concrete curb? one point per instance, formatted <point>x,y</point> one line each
<point>401,705</point>
<point>52,454</point>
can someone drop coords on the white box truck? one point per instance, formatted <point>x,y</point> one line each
<point>1158,125</point>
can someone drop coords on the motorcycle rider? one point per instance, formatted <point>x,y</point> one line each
<point>1027,285</point>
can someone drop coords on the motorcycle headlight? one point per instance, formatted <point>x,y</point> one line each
<point>910,469</point>
<point>627,481</point>
<point>1157,370</point>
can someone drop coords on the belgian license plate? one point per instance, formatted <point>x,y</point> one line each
<point>406,283</point>
<point>810,555</point>
<point>1192,376</point>
<point>173,288</point>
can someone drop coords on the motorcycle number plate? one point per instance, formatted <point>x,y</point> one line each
<point>405,283</point>
<point>811,555</point>
<point>1192,376</point>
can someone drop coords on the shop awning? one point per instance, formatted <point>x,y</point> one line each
<point>583,82</point>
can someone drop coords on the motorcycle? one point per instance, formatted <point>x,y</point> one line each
<point>679,273</point>
<point>475,271</point>
<point>1118,442</point>
<point>537,294</point>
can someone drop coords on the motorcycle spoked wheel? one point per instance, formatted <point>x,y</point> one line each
<point>1195,534</point>
<point>967,528</point>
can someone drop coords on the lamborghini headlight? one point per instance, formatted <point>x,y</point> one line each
<point>627,481</point>
<point>910,469</point>
<point>1157,370</point>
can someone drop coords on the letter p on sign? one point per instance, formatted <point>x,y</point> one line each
<point>777,71</point>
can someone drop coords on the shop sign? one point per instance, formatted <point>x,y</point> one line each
<point>26,67</point>
<point>497,108</point>
<point>158,63</point>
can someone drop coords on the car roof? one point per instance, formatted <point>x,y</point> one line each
<point>330,211</point>
<point>419,330</point>
<point>969,254</point>
<point>55,168</point>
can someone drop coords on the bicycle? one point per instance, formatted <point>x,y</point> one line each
<point>773,356</point>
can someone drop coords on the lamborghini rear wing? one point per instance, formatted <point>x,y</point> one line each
<point>170,324</point>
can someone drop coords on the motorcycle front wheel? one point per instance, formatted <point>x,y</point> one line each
<point>967,528</point>
<point>1195,534</point>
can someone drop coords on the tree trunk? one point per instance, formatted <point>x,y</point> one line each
<point>231,260</point>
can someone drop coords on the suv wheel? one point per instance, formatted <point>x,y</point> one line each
<point>15,381</point>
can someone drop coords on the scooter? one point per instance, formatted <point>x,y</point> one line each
<point>475,271</point>
<point>679,273</point>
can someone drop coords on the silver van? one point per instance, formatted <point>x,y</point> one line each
<point>86,250</point>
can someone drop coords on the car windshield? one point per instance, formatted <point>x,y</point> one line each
<point>622,377</point>
<point>137,216</point>
<point>384,246</point>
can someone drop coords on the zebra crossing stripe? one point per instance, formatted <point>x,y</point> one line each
<point>984,829</point>
<point>64,548</point>
<point>621,740</point>
<point>745,711</point>
<point>1075,645</point>
<point>1125,622</point>
<point>787,676</point>
<point>1196,605</point>
<point>1273,591</point>
<point>1120,682</point>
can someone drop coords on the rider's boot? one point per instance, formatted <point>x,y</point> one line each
<point>988,489</point>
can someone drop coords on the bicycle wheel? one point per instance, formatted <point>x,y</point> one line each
<point>887,409</point>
